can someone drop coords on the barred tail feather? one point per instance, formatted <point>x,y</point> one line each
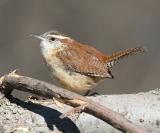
<point>113,59</point>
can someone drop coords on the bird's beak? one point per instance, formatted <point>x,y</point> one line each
<point>37,36</point>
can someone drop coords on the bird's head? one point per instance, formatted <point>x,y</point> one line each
<point>51,40</point>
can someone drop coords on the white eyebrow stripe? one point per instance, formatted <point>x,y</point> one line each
<point>58,36</point>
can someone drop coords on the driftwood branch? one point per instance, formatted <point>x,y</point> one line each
<point>14,81</point>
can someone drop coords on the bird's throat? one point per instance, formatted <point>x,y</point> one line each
<point>46,46</point>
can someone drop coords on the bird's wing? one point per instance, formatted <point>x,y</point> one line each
<point>83,60</point>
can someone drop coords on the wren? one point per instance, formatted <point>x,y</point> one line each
<point>76,66</point>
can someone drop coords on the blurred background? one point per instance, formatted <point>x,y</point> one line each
<point>108,25</point>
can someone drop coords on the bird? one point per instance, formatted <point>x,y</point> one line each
<point>75,66</point>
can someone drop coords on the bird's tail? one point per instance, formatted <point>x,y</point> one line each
<point>114,58</point>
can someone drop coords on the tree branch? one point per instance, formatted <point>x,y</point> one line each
<point>14,81</point>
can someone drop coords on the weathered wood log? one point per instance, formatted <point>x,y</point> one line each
<point>44,89</point>
<point>43,116</point>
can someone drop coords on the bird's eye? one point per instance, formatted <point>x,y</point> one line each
<point>52,38</point>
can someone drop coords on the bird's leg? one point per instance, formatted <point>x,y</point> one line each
<point>87,93</point>
<point>94,94</point>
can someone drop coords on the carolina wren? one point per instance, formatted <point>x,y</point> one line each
<point>78,67</point>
